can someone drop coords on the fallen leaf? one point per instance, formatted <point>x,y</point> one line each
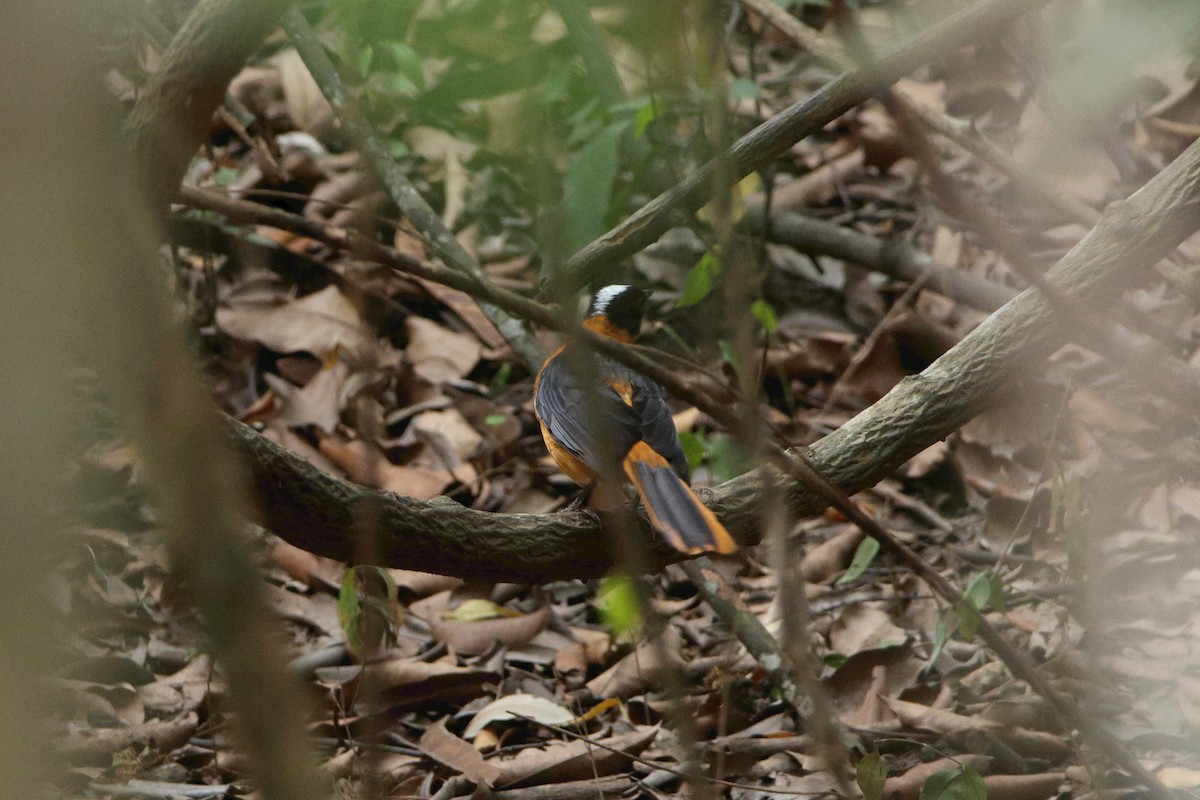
<point>472,638</point>
<point>403,683</point>
<point>447,749</point>
<point>637,670</point>
<point>438,354</point>
<point>518,706</point>
<point>575,760</point>
<point>448,435</point>
<point>322,323</point>
<point>863,627</point>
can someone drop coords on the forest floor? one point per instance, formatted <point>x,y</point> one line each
<point>1068,513</point>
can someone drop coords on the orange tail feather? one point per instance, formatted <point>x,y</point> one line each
<point>675,510</point>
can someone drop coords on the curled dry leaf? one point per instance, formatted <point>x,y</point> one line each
<point>365,465</point>
<point>310,569</point>
<point>831,556</point>
<point>520,707</point>
<point>306,105</point>
<point>447,434</point>
<point>478,636</point>
<point>423,584</point>
<point>577,760</point>
<point>319,402</point>
<point>162,735</point>
<point>181,692</point>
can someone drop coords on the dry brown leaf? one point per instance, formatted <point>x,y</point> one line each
<point>447,749</point>
<point>308,568</point>
<point>448,435</point>
<point>577,760</point>
<point>306,105</point>
<point>322,323</point>
<point>181,692</point>
<point>438,354</point>
<point>636,671</point>
<point>1179,777</point>
<point>1023,787</point>
<point>423,584</point>
<point>831,556</point>
<point>365,465</point>
<point>908,785</point>
<point>471,637</point>
<point>319,402</point>
<point>862,627</point>
<point>468,311</point>
<point>404,683</point>
<point>160,734</point>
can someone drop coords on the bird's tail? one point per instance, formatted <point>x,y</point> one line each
<point>675,510</point>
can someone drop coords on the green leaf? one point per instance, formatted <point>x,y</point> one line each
<point>835,660</point>
<point>362,59</point>
<point>700,280</point>
<point>727,458</point>
<point>996,596</point>
<point>349,610</point>
<point>870,775</point>
<point>868,548</point>
<point>954,784</point>
<point>224,177</point>
<point>645,115</point>
<point>693,448</point>
<point>588,185</point>
<point>968,621</point>
<point>979,592</point>
<point>367,617</point>
<point>743,89</point>
<point>765,314</point>
<point>408,62</point>
<point>618,604</point>
<point>942,633</point>
<point>502,376</point>
<point>495,419</point>
<point>477,609</point>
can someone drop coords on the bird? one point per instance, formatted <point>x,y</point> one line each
<point>637,430</point>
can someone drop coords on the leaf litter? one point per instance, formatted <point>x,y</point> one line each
<point>1077,494</point>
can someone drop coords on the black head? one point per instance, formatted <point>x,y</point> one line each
<point>623,306</point>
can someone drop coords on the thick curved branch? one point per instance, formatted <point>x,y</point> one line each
<point>312,510</point>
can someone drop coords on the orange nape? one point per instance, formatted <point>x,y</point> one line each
<point>675,510</point>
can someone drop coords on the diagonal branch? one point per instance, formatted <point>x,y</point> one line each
<point>771,139</point>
